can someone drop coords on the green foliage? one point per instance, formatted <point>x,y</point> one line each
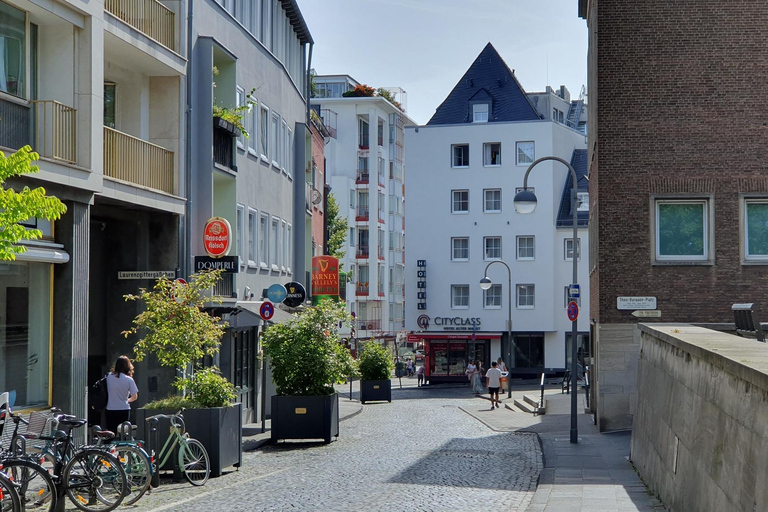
<point>235,115</point>
<point>389,96</point>
<point>17,207</point>
<point>306,355</point>
<point>360,91</point>
<point>178,333</point>
<point>338,228</point>
<point>174,402</point>
<point>375,361</point>
<point>208,388</point>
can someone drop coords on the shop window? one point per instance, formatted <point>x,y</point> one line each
<point>529,351</point>
<point>25,331</point>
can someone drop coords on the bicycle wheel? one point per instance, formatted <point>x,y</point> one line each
<point>193,459</point>
<point>94,480</point>
<point>33,483</point>
<point>9,498</point>
<point>136,465</point>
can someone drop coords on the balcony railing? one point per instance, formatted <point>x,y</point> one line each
<point>370,325</point>
<point>362,251</point>
<point>137,161</point>
<point>225,287</point>
<point>362,178</point>
<point>147,16</point>
<point>14,125</point>
<point>329,120</point>
<point>55,130</point>
<point>362,213</point>
<point>223,148</point>
<point>361,289</point>
<point>381,252</point>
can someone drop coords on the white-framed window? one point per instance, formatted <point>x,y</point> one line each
<point>240,100</point>
<point>362,133</point>
<point>755,229</point>
<point>492,200</point>
<point>253,237</point>
<point>274,137</point>
<point>253,140</point>
<point>460,155</point>
<point>239,233</point>
<point>492,297</point>
<point>682,230</point>
<point>459,201</point>
<point>289,156</point>
<point>289,247</point>
<point>460,249</point>
<point>284,146</point>
<point>492,248</point>
<point>526,153</point>
<point>264,241</point>
<point>480,113</point>
<point>526,295</point>
<point>582,201</point>
<point>491,154</point>
<point>520,189</point>
<point>274,244</point>
<point>352,237</point>
<point>459,296</point>
<point>264,132</point>
<point>352,196</point>
<point>568,254</point>
<point>526,247</point>
<point>284,234</point>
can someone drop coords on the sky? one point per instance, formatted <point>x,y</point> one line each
<point>425,46</point>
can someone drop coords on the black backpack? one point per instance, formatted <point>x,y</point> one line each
<point>98,395</point>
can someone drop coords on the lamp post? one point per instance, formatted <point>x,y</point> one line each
<point>485,284</point>
<point>525,202</point>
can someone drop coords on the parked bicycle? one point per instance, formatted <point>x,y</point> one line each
<point>193,460</point>
<point>9,498</point>
<point>136,462</point>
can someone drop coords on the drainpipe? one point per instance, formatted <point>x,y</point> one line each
<point>187,230</point>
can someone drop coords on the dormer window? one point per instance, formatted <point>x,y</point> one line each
<point>480,113</point>
<point>582,202</point>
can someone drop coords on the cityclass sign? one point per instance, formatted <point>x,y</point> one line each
<point>449,323</point>
<point>229,264</point>
<point>217,237</point>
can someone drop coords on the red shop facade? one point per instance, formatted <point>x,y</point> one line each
<point>446,356</point>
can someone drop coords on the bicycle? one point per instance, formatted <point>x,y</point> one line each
<point>9,498</point>
<point>193,459</point>
<point>137,464</point>
<point>31,481</point>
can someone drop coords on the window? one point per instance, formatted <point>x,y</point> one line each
<point>289,156</point>
<point>239,233</point>
<point>525,153</point>
<point>284,232</point>
<point>520,189</point>
<point>529,351</point>
<point>569,249</point>
<point>682,230</point>
<point>240,100</point>
<point>274,137</point>
<point>254,133</point>
<point>264,241</point>
<point>264,133</point>
<point>289,247</point>
<point>284,146</point>
<point>460,296</point>
<point>460,155</point>
<point>459,201</point>
<point>756,229</point>
<point>274,243</point>
<point>557,115</point>
<point>352,237</point>
<point>459,249</point>
<point>352,195</point>
<point>492,201</point>
<point>525,248</point>
<point>362,140</point>
<point>252,237</point>
<point>480,113</point>
<point>110,97</point>
<point>13,56</point>
<point>380,132</point>
<point>492,248</point>
<point>491,153</point>
<point>492,297</point>
<point>525,296</point>
<point>582,201</point>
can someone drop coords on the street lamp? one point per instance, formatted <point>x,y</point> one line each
<point>525,202</point>
<point>485,284</point>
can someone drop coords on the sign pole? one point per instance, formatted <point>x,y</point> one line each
<point>263,380</point>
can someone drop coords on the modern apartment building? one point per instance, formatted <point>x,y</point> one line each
<point>465,166</point>
<point>366,166</point>
<point>677,167</point>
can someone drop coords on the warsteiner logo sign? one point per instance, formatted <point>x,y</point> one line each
<point>325,276</point>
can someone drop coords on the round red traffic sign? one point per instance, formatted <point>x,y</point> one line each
<point>573,311</point>
<point>267,310</point>
<point>177,290</point>
<point>217,237</point>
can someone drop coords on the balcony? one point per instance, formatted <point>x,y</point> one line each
<point>225,287</point>
<point>147,16</point>
<point>362,178</point>
<point>223,148</point>
<point>362,214</point>
<point>55,130</point>
<point>329,118</point>
<point>137,161</point>
<point>15,130</point>
<point>361,289</point>
<point>369,325</point>
<point>382,180</point>
<point>381,253</point>
<point>362,252</point>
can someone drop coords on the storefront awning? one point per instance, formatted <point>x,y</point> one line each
<point>252,307</point>
<point>43,255</point>
<point>454,335</point>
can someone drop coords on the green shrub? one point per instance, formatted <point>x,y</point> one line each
<point>375,361</point>
<point>306,355</point>
<point>209,389</point>
<point>173,402</point>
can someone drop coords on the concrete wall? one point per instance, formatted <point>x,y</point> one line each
<point>617,349</point>
<point>700,433</point>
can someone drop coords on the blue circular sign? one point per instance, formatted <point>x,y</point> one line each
<point>276,293</point>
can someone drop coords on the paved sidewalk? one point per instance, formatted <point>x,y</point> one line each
<point>593,475</point>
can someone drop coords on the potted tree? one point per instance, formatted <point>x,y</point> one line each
<point>375,364</point>
<point>176,330</point>
<point>307,358</point>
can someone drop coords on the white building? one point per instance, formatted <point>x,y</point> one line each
<point>365,169</point>
<point>465,166</point>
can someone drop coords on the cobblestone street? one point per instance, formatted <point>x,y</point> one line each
<point>421,452</point>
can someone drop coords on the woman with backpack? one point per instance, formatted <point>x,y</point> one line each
<point>122,391</point>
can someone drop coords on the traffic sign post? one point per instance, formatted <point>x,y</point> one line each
<point>573,311</point>
<point>267,310</point>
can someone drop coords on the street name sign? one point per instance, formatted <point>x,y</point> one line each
<point>636,303</point>
<point>146,274</point>
<point>648,313</point>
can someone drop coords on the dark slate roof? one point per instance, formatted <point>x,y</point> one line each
<point>487,77</point>
<point>565,214</point>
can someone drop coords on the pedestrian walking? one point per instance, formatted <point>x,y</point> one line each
<point>420,376</point>
<point>477,381</point>
<point>409,367</point>
<point>122,391</point>
<point>493,379</point>
<point>470,372</point>
<point>500,365</point>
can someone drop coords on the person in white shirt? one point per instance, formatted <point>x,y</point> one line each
<point>493,378</point>
<point>122,391</point>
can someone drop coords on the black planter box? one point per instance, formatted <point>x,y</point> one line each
<point>226,125</point>
<point>375,390</point>
<point>220,429</point>
<point>305,417</point>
